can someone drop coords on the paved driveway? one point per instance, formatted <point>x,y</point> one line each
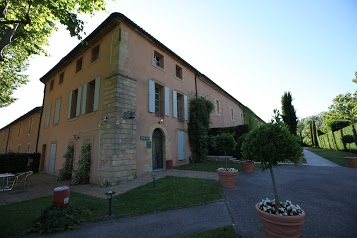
<point>328,195</point>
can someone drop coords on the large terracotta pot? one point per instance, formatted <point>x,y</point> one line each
<point>351,162</point>
<point>227,179</point>
<point>280,226</point>
<point>247,167</point>
<point>299,161</point>
<point>169,164</point>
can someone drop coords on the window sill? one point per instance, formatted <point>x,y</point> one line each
<point>158,67</point>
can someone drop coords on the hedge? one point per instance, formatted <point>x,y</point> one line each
<point>333,140</point>
<point>236,131</point>
<point>17,162</point>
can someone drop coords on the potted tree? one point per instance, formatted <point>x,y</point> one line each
<point>272,143</point>
<point>351,160</point>
<point>247,165</point>
<point>227,176</point>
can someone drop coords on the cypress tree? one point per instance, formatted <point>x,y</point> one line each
<point>288,112</point>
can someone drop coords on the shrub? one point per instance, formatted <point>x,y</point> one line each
<point>19,162</point>
<point>198,127</point>
<point>83,164</point>
<point>55,219</point>
<point>66,172</point>
<point>339,124</point>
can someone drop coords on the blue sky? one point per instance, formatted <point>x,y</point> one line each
<point>255,50</point>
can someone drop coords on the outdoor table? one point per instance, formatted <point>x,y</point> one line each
<point>4,181</point>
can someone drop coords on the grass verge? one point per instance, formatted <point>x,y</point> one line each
<point>334,156</point>
<point>211,166</point>
<point>169,193</point>
<point>225,232</point>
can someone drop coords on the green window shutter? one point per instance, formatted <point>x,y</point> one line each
<point>69,105</point>
<point>174,104</point>
<point>48,112</point>
<point>151,96</point>
<point>96,94</point>
<point>84,98</point>
<point>167,101</point>
<point>79,96</point>
<point>185,105</point>
<point>57,111</point>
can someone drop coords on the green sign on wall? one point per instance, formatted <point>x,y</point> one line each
<point>148,144</point>
<point>144,138</point>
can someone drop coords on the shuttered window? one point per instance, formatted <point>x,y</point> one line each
<point>57,111</point>
<point>181,145</point>
<point>48,112</point>
<point>159,99</point>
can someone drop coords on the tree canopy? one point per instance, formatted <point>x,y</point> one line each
<point>343,108</point>
<point>25,27</point>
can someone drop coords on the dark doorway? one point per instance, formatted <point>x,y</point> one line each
<point>157,150</point>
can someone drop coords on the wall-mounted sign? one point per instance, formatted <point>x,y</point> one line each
<point>144,138</point>
<point>148,144</point>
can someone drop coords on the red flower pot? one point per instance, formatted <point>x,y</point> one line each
<point>351,162</point>
<point>227,179</point>
<point>247,167</point>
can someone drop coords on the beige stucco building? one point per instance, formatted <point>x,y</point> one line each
<point>127,94</point>
<point>20,136</point>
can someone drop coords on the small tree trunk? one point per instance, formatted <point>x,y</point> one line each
<point>277,201</point>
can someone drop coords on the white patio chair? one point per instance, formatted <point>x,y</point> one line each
<point>24,178</point>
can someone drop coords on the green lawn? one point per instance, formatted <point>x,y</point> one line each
<point>170,192</point>
<point>225,232</point>
<point>211,166</point>
<point>332,155</point>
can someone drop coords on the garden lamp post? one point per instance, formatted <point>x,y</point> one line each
<point>110,197</point>
<point>153,175</point>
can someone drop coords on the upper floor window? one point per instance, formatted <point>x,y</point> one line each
<point>61,77</point>
<point>178,72</point>
<point>57,111</point>
<point>218,109</point>
<point>30,125</point>
<point>158,59</point>
<point>79,64</point>
<point>180,108</point>
<point>95,54</point>
<point>19,131</point>
<point>48,113</point>
<point>90,97</point>
<point>158,99</point>
<point>51,85</point>
<point>73,104</point>
<point>84,99</point>
<point>232,114</point>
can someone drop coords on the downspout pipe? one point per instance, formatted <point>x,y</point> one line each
<point>39,123</point>
<point>196,75</point>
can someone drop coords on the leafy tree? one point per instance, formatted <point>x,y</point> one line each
<point>25,27</point>
<point>288,112</point>
<point>198,127</point>
<point>343,108</point>
<point>355,79</point>
<point>303,128</point>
